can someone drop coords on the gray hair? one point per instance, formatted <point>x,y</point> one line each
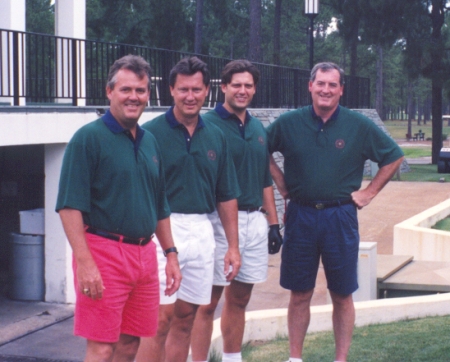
<point>325,67</point>
<point>135,63</point>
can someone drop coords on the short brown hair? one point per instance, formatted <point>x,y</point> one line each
<point>189,66</point>
<point>239,66</point>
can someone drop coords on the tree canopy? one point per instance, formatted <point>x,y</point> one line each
<point>401,45</point>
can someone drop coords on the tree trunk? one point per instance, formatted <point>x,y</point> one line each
<point>409,106</point>
<point>379,83</point>
<point>437,19</point>
<point>254,49</point>
<point>276,33</point>
<point>436,121</point>
<point>198,27</point>
<point>276,91</point>
<point>354,50</point>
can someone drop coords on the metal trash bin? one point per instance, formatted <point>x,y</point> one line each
<point>444,160</point>
<point>27,267</point>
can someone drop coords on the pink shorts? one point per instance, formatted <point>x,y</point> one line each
<point>131,297</point>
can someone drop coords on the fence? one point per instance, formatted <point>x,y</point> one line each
<point>45,69</point>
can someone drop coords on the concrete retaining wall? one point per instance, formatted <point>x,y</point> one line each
<point>269,324</point>
<point>414,236</point>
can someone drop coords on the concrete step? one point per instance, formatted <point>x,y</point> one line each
<point>402,277</point>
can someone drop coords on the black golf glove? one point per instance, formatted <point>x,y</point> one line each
<point>275,239</point>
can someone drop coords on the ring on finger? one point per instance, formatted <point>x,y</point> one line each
<point>86,291</point>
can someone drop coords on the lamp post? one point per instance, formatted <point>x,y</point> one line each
<point>311,11</point>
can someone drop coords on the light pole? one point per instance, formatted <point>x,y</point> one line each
<point>311,11</point>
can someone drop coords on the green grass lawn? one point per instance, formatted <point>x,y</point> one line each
<point>413,152</point>
<point>425,339</point>
<point>424,173</point>
<point>398,129</point>
<point>443,224</point>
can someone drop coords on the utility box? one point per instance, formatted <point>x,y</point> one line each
<point>444,160</point>
<point>32,222</point>
<point>367,272</point>
<point>27,267</point>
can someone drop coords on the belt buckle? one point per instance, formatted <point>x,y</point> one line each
<point>320,206</point>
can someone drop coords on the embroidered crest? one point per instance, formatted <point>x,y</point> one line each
<point>261,140</point>
<point>155,159</point>
<point>340,143</point>
<point>212,155</point>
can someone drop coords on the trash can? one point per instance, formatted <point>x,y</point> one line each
<point>444,160</point>
<point>26,267</point>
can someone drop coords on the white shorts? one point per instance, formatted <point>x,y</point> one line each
<point>194,238</point>
<point>253,247</point>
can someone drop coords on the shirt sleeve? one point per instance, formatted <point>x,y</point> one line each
<point>76,175</point>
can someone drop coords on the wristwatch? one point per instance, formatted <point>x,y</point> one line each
<point>173,249</point>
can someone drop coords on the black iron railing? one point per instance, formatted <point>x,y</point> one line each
<point>45,69</point>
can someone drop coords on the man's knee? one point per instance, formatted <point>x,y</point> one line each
<point>341,300</point>
<point>97,351</point>
<point>238,294</point>
<point>299,297</point>
<point>127,346</point>
<point>165,317</point>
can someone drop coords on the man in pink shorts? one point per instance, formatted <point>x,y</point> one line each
<point>111,201</point>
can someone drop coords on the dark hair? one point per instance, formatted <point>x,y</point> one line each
<point>325,67</point>
<point>239,66</point>
<point>189,66</point>
<point>135,63</point>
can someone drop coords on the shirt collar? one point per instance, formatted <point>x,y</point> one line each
<point>170,117</point>
<point>116,128</point>
<point>333,117</point>
<point>224,114</point>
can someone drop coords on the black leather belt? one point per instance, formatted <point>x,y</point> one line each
<point>116,237</point>
<point>252,209</point>
<point>319,205</point>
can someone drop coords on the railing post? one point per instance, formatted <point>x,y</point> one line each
<point>296,89</point>
<point>16,76</point>
<point>75,73</point>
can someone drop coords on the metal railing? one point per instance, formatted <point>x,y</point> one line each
<point>45,69</point>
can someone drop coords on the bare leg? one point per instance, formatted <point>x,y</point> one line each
<point>179,337</point>
<point>126,348</point>
<point>237,296</point>
<point>299,316</point>
<point>152,349</point>
<point>343,323</point>
<point>203,326</point>
<point>98,351</point>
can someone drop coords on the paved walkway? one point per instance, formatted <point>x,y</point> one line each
<point>52,323</point>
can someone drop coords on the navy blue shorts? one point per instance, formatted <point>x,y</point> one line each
<point>310,234</point>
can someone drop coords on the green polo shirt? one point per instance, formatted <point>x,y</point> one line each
<point>199,170</point>
<point>116,183</point>
<point>248,145</point>
<point>325,161</point>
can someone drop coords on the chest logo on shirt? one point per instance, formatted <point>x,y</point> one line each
<point>340,143</point>
<point>155,159</point>
<point>261,140</point>
<point>212,155</point>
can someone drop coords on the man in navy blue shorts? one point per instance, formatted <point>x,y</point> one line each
<point>325,147</point>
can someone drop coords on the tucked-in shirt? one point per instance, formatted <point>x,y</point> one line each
<point>327,163</point>
<point>248,145</point>
<point>199,170</point>
<point>115,181</point>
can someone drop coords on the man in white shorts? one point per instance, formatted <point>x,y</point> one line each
<point>200,177</point>
<point>247,139</point>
